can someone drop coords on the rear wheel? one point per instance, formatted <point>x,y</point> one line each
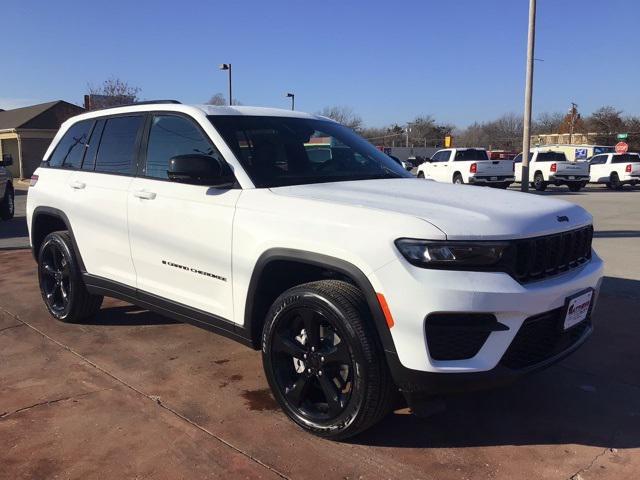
<point>63,291</point>
<point>323,360</point>
<point>614,182</point>
<point>457,178</point>
<point>538,182</point>
<point>420,175</point>
<point>8,204</point>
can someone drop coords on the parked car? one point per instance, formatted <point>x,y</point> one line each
<point>403,163</point>
<point>353,278</point>
<point>552,167</point>
<point>615,170</point>
<point>7,193</point>
<point>467,165</point>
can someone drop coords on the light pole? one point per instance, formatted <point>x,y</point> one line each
<point>528,94</point>
<point>227,66</point>
<point>293,100</point>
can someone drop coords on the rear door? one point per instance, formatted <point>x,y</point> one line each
<point>180,233</point>
<point>98,189</point>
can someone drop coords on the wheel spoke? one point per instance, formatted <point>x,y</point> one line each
<point>331,394</point>
<point>297,392</point>
<point>285,345</point>
<point>54,259</point>
<point>312,327</point>
<point>338,354</point>
<point>63,291</point>
<point>48,269</point>
<point>65,268</point>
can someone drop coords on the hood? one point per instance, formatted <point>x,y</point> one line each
<point>460,211</point>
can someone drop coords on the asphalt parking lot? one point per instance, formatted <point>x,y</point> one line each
<point>134,395</point>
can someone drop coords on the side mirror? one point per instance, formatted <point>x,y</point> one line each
<point>198,169</point>
<point>7,160</point>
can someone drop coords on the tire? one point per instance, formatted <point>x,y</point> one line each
<point>420,175</point>
<point>8,204</point>
<point>538,182</point>
<point>457,178</point>
<point>614,182</point>
<point>63,291</point>
<point>575,186</point>
<point>503,186</point>
<point>306,371</point>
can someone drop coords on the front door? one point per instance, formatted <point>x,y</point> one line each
<point>180,234</point>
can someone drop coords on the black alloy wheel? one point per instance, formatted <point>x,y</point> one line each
<point>55,278</point>
<point>63,290</point>
<point>323,361</point>
<point>313,365</point>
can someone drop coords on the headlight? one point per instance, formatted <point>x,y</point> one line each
<point>452,254</point>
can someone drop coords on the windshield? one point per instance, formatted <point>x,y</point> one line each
<point>551,157</point>
<point>471,154</point>
<point>625,157</point>
<point>278,151</point>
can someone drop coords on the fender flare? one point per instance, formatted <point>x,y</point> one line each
<point>54,212</point>
<point>319,260</point>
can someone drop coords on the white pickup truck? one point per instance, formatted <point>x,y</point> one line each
<point>550,166</point>
<point>614,170</point>
<point>467,165</point>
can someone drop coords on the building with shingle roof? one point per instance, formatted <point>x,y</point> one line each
<point>25,133</point>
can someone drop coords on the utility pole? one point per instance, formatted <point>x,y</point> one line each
<point>528,94</point>
<point>292,96</point>
<point>407,135</point>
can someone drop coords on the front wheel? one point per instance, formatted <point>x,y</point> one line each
<point>323,361</point>
<point>63,291</point>
<point>8,204</point>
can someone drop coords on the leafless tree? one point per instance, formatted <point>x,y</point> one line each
<point>344,115</point>
<point>606,119</point>
<point>220,100</point>
<point>111,93</point>
<point>548,122</point>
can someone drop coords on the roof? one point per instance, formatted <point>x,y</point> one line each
<point>42,116</point>
<point>201,109</point>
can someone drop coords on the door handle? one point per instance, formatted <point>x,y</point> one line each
<point>76,185</point>
<point>144,195</point>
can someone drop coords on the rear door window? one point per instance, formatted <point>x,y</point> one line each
<point>118,146</point>
<point>625,158</point>
<point>471,154</point>
<point>90,157</point>
<point>70,150</point>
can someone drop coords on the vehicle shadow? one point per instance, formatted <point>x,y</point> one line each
<point>591,398</point>
<point>616,234</point>
<point>127,315</point>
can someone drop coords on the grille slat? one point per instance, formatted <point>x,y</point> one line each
<point>541,257</point>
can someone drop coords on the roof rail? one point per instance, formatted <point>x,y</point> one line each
<point>148,102</point>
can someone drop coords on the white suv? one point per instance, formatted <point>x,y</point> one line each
<point>354,278</point>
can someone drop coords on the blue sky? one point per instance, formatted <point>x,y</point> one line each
<point>459,61</point>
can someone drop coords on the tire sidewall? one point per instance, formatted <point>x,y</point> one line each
<point>301,298</point>
<point>59,241</point>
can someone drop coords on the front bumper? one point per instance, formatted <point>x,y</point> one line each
<point>413,293</point>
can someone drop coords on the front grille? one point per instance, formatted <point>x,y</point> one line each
<point>541,257</point>
<point>458,336</point>
<point>542,337</point>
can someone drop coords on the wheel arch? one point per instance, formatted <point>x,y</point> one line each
<point>45,220</point>
<point>257,304</point>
